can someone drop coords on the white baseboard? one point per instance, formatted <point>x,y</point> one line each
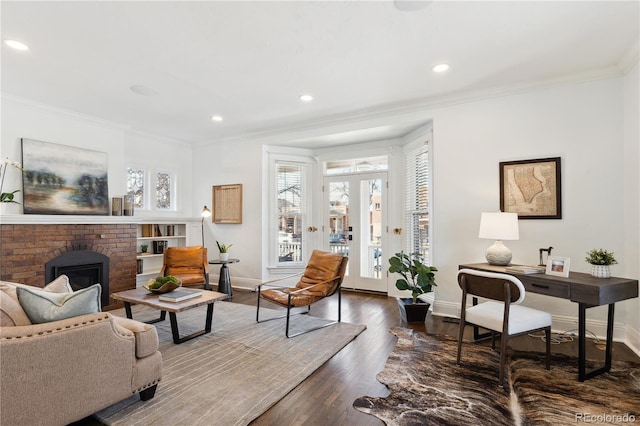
<point>633,340</point>
<point>561,323</point>
<point>237,282</point>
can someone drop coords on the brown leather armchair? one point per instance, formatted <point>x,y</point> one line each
<point>321,278</point>
<point>189,264</point>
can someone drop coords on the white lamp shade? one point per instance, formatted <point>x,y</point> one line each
<point>205,212</point>
<point>499,226</point>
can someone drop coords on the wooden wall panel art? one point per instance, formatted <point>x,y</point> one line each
<point>227,203</point>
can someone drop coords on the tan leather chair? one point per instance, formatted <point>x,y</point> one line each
<point>321,278</point>
<point>189,264</point>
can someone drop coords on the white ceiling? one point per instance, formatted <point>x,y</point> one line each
<point>364,62</point>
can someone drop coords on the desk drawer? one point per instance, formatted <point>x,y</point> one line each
<point>543,286</point>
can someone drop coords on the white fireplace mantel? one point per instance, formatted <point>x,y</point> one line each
<point>42,219</point>
<point>38,219</point>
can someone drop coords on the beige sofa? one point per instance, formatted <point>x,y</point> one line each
<point>59,372</point>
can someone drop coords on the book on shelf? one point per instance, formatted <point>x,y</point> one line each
<point>525,269</point>
<point>179,295</point>
<point>148,230</point>
<point>151,230</point>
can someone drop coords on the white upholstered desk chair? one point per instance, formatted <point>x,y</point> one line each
<point>502,313</point>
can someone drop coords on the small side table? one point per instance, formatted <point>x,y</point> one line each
<point>224,282</point>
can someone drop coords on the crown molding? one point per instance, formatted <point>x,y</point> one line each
<point>92,119</point>
<point>630,58</point>
<point>424,107</point>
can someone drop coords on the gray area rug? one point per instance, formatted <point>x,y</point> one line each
<point>428,388</point>
<point>233,374</point>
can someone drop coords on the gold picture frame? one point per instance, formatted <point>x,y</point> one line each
<point>227,203</point>
<point>531,188</point>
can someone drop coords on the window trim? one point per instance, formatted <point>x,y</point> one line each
<point>423,141</point>
<point>150,187</point>
<point>308,163</point>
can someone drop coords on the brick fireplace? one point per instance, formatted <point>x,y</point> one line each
<point>25,249</point>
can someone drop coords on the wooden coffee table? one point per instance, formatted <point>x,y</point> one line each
<point>143,297</point>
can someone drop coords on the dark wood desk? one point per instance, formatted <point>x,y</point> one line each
<point>584,290</point>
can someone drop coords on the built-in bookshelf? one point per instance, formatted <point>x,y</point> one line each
<point>156,237</point>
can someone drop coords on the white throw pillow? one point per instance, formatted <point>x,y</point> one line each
<point>45,306</point>
<point>59,285</point>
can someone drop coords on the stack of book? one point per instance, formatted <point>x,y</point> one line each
<point>179,295</point>
<point>525,269</point>
<point>151,230</point>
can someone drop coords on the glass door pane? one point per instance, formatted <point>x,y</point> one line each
<point>338,234</point>
<point>356,227</point>
<point>371,228</point>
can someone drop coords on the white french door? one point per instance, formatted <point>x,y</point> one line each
<point>355,224</point>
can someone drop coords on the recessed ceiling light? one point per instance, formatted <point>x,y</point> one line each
<point>14,44</point>
<point>440,68</point>
<point>143,90</point>
<point>306,98</point>
<point>216,118</point>
<point>410,5</point>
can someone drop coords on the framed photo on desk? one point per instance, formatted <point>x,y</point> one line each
<point>558,266</point>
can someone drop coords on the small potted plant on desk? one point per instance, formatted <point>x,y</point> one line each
<point>416,277</point>
<point>601,261</point>
<point>224,251</point>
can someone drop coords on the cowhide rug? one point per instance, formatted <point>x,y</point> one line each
<point>428,388</point>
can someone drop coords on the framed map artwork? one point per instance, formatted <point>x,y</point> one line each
<point>531,188</point>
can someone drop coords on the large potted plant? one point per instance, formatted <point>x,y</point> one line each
<point>601,261</point>
<point>417,278</point>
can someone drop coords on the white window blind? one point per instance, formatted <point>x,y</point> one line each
<point>291,208</point>
<point>417,196</point>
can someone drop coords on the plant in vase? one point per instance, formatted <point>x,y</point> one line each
<point>601,261</point>
<point>417,278</point>
<point>144,248</point>
<point>8,197</point>
<point>224,251</point>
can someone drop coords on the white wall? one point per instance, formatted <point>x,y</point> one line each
<point>23,119</point>
<point>593,126</point>
<point>239,162</point>
<point>631,92</point>
<point>582,124</point>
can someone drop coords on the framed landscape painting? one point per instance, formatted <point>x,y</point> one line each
<point>531,188</point>
<point>60,179</point>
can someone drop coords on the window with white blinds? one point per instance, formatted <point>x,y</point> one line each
<point>417,196</point>
<point>291,211</point>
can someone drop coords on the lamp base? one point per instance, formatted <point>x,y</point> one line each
<point>498,254</point>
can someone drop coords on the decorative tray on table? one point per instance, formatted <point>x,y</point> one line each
<point>162,285</point>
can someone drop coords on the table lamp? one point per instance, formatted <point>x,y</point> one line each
<point>205,213</point>
<point>499,226</point>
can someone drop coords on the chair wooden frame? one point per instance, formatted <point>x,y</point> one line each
<point>291,295</point>
<point>503,288</point>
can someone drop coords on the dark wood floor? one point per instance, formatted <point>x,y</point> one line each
<point>326,397</point>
